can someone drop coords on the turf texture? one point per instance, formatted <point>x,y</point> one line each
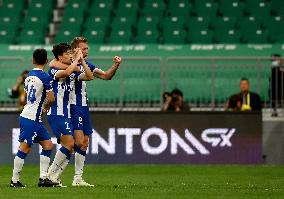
<point>155,181</point>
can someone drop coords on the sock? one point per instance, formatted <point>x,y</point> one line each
<point>44,163</point>
<point>80,157</point>
<point>61,155</point>
<point>60,169</point>
<point>18,165</point>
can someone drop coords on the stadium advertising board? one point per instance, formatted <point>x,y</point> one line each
<point>152,137</point>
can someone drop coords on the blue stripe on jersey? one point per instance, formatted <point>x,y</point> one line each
<point>53,110</point>
<point>91,66</point>
<point>78,92</point>
<point>66,102</point>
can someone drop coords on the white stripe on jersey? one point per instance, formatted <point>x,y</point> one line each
<point>84,94</point>
<point>60,96</point>
<point>72,95</point>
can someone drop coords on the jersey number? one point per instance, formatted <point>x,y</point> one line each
<point>67,127</point>
<point>31,95</point>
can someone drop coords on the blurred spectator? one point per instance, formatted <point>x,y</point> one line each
<point>245,100</point>
<point>235,103</point>
<point>174,101</point>
<point>276,82</point>
<point>18,91</point>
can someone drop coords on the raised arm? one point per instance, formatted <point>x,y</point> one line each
<point>61,66</point>
<point>67,72</point>
<point>88,75</point>
<point>107,75</point>
<point>58,65</point>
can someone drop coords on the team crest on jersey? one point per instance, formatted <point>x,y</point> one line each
<point>72,77</point>
<point>53,71</point>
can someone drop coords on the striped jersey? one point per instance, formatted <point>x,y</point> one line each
<point>79,93</point>
<point>62,88</point>
<point>37,84</point>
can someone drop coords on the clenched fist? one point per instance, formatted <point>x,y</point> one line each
<point>117,60</point>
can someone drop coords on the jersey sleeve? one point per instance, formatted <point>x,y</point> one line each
<point>47,82</point>
<point>91,66</point>
<point>52,73</point>
<point>26,85</point>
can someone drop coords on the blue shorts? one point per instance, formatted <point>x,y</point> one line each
<point>32,131</point>
<point>81,119</point>
<point>60,126</point>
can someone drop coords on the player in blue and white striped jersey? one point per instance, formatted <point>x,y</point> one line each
<point>39,94</point>
<point>59,114</point>
<point>80,110</point>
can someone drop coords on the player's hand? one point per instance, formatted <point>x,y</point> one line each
<point>77,69</point>
<point>45,109</point>
<point>78,54</point>
<point>117,60</point>
<point>75,52</point>
<point>81,56</point>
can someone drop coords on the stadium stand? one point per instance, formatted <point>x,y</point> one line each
<point>194,21</point>
<point>147,22</point>
<point>231,8</point>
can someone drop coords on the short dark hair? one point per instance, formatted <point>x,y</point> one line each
<point>176,91</point>
<point>40,56</point>
<point>75,42</point>
<point>244,79</point>
<point>59,49</point>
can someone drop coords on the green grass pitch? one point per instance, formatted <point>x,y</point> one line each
<point>155,181</point>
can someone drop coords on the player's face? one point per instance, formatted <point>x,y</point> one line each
<point>244,85</point>
<point>66,57</point>
<point>84,48</point>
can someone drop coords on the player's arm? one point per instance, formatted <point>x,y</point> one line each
<point>87,75</point>
<point>50,98</point>
<point>107,75</point>
<point>61,66</point>
<point>58,65</point>
<point>67,72</point>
